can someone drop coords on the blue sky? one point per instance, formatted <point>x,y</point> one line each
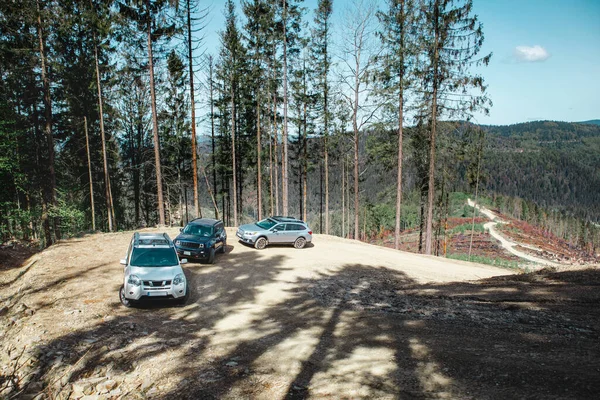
<point>546,56</point>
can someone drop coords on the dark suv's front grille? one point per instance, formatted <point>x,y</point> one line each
<point>190,245</point>
<point>157,283</point>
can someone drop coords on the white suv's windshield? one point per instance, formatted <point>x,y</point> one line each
<point>266,223</point>
<point>154,257</point>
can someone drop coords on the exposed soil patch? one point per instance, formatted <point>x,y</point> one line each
<point>341,319</point>
<point>543,243</point>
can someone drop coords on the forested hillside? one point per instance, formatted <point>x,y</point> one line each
<point>553,164</point>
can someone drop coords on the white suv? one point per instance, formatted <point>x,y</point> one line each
<point>152,269</point>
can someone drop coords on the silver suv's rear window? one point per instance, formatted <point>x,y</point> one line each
<point>154,257</point>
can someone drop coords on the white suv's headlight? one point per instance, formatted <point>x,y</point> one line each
<point>178,280</point>
<point>250,233</point>
<point>134,280</point>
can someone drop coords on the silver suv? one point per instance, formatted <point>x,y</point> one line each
<point>275,230</point>
<point>152,269</point>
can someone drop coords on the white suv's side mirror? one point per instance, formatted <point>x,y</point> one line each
<point>123,262</point>
<point>183,261</point>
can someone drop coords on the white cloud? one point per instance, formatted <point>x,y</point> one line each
<point>531,53</point>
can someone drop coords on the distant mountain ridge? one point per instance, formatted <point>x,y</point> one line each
<point>591,122</point>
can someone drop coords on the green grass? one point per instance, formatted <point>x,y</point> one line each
<point>497,262</point>
<point>467,228</point>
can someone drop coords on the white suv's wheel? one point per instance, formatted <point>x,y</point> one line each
<point>260,243</point>
<point>300,243</point>
<point>124,300</point>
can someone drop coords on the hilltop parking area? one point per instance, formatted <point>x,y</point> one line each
<point>338,319</point>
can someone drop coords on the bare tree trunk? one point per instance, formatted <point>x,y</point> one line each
<point>355,128</point>
<point>258,161</point>
<point>431,184</point>
<point>193,107</point>
<point>50,192</point>
<point>399,178</point>
<point>343,197</point>
<point>276,146</point>
<point>109,203</point>
<point>210,192</point>
<point>305,156</point>
<point>431,190</point>
<point>348,197</point>
<point>233,160</point>
<point>87,148</point>
<point>271,204</point>
<point>476,192</point>
<point>212,131</point>
<point>356,202</point>
<point>159,188</point>
<point>284,159</point>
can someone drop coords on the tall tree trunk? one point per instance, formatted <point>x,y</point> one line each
<point>271,203</point>
<point>193,107</point>
<point>305,154</point>
<point>284,159</point>
<point>159,188</point>
<point>399,178</point>
<point>276,150</point>
<point>431,189</point>
<point>233,159</point>
<point>137,165</point>
<point>109,205</point>
<point>50,192</point>
<point>431,182</point>
<point>87,148</point>
<point>476,193</point>
<point>356,202</point>
<point>258,160</point>
<point>355,128</point>
<point>212,130</point>
<point>343,197</point>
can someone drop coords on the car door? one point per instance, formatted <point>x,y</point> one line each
<point>220,235</point>
<point>292,231</point>
<point>277,234</point>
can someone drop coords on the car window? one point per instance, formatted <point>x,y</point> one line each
<point>293,227</point>
<point>279,227</point>
<point>266,223</point>
<point>153,257</point>
<point>198,230</point>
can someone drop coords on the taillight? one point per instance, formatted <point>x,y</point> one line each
<point>310,232</point>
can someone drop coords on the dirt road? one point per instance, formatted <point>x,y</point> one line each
<point>508,244</point>
<point>340,319</point>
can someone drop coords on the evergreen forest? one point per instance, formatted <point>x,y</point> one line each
<point>117,115</point>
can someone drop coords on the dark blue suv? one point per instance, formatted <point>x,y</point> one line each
<point>201,239</point>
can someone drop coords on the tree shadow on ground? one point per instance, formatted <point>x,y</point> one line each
<point>358,332</point>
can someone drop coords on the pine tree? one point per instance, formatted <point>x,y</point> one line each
<point>50,192</point>
<point>321,36</point>
<point>232,54</point>
<point>453,38</point>
<point>397,36</point>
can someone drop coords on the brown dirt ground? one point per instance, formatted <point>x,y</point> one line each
<point>337,320</point>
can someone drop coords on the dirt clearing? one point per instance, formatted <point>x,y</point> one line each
<point>340,319</point>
